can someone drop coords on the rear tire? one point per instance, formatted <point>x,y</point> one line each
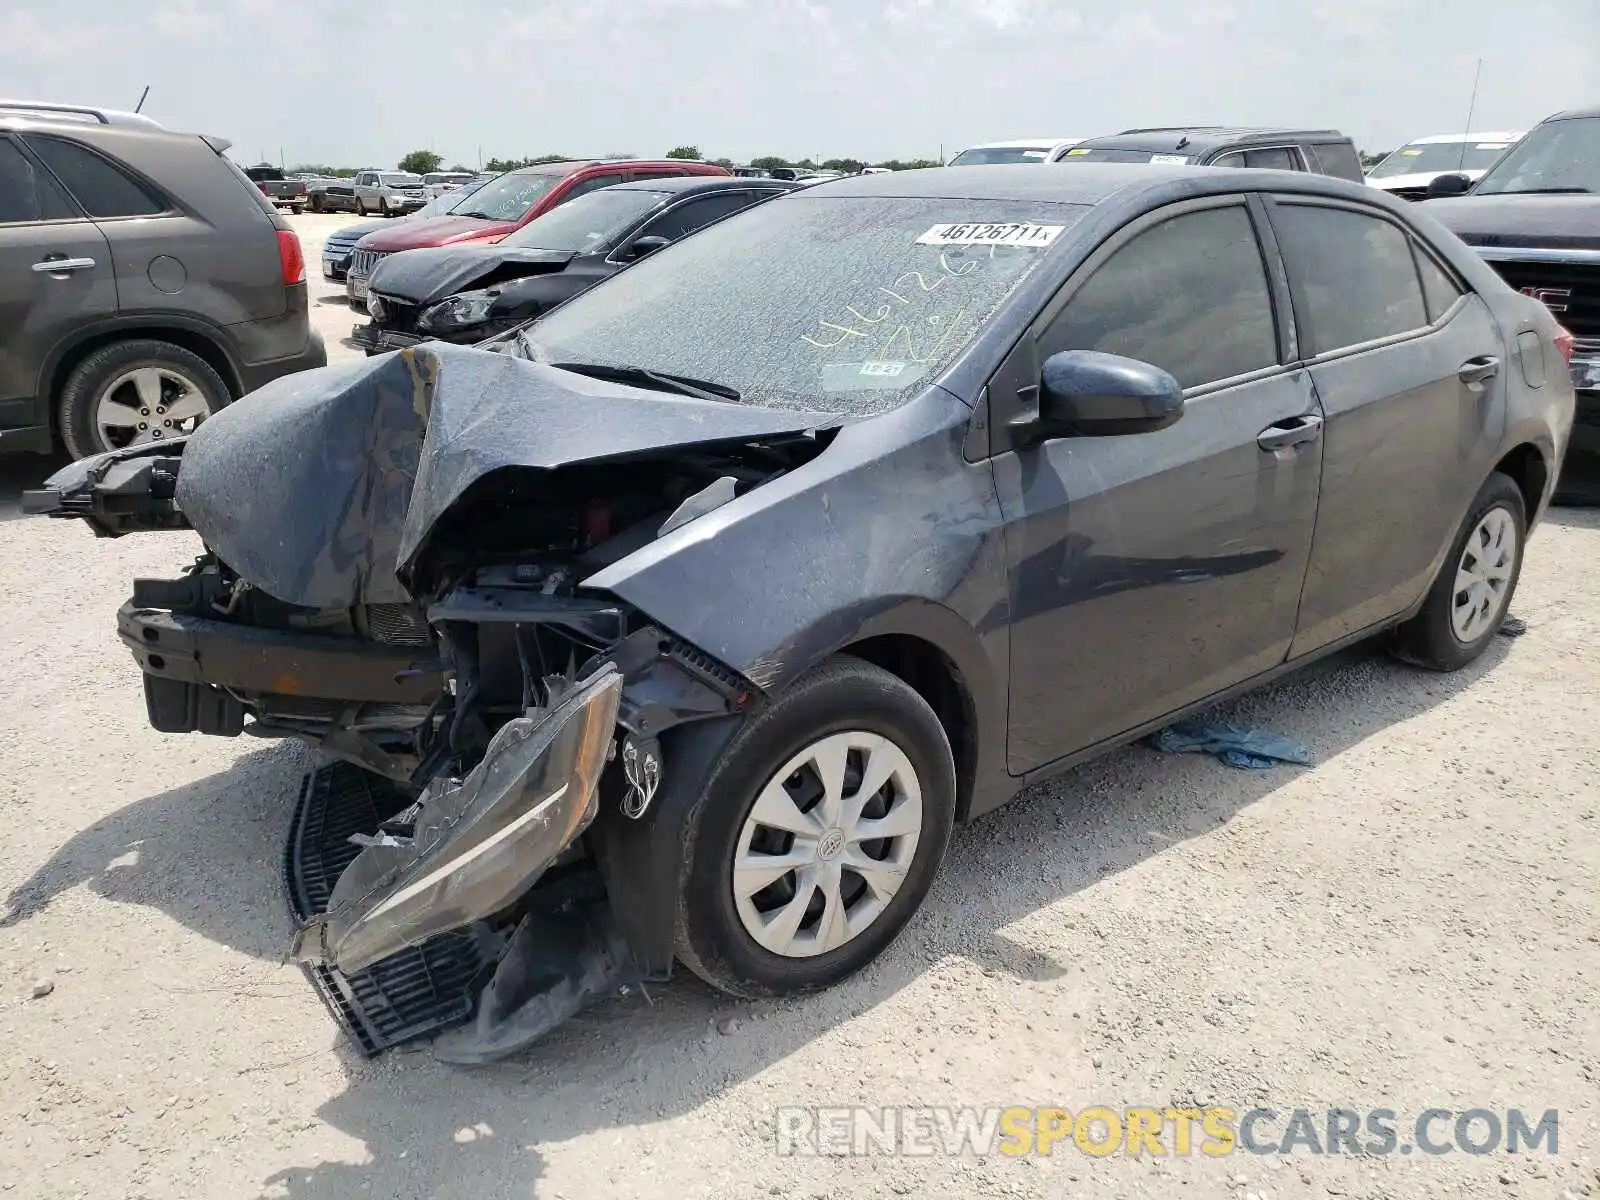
<point>1472,592</point>
<point>316,204</point>
<point>176,371</point>
<point>836,720</point>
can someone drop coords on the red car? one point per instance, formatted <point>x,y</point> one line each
<point>506,204</point>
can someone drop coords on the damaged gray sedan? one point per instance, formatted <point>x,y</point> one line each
<point>682,625</point>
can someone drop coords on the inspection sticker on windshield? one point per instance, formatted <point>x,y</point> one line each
<point>1011,233</point>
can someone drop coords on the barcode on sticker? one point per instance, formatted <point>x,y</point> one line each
<point>1003,234</point>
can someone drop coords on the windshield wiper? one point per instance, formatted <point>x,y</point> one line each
<point>1543,191</point>
<point>661,381</point>
<point>482,216</point>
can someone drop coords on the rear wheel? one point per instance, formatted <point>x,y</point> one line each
<point>316,204</point>
<point>1470,595</point>
<point>819,834</point>
<point>136,392</point>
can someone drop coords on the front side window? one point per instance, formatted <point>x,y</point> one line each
<point>1189,296</point>
<point>588,222</point>
<point>1558,156</point>
<point>842,304</point>
<point>101,188</point>
<point>592,184</point>
<point>1355,272</point>
<point>1438,288</point>
<point>684,219</point>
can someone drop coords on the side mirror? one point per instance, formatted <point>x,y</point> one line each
<point>1085,393</point>
<point>648,244</point>
<point>1453,184</point>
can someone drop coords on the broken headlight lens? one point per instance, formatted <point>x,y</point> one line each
<point>458,312</point>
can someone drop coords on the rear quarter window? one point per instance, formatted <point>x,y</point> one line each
<point>1336,158</point>
<point>101,187</point>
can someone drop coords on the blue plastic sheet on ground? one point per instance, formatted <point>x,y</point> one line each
<point>1247,749</point>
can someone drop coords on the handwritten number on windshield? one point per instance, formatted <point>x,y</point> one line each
<point>832,334</point>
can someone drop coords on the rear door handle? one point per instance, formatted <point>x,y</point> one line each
<point>1305,428</point>
<point>61,265</point>
<point>1476,370</point>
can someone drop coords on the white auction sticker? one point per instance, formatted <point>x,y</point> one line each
<point>1172,160</point>
<point>882,370</point>
<point>1003,233</point>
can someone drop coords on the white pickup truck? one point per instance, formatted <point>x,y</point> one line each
<point>389,193</point>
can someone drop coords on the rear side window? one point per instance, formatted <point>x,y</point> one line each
<point>102,189</point>
<point>25,193</point>
<point>1336,158</point>
<point>1189,295</point>
<point>1354,274</point>
<point>1273,158</point>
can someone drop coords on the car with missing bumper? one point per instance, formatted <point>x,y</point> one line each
<point>467,293</point>
<point>682,625</point>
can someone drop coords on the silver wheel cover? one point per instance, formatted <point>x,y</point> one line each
<point>1483,576</point>
<point>148,404</point>
<point>827,844</point>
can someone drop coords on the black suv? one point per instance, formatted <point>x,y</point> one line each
<point>145,282</point>
<point>1535,216</point>
<point>1322,151</point>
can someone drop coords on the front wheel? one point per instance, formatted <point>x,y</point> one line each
<point>1470,595</point>
<point>818,834</point>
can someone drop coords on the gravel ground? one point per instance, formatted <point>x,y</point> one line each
<point>1408,924</point>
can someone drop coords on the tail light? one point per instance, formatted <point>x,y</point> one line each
<point>290,258</point>
<point>1565,343</point>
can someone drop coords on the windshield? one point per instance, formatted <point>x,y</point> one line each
<point>1561,156</point>
<point>1432,158</point>
<point>842,304</point>
<point>985,156</point>
<point>587,222</point>
<point>439,206</point>
<point>445,177</point>
<point>509,197</point>
<point>400,180</point>
<point>1107,154</point>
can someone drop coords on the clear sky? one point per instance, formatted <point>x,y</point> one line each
<point>361,83</point>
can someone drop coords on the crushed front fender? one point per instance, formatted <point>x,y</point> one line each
<point>475,845</point>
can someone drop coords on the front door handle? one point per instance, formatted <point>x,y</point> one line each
<point>60,265</point>
<point>1476,370</point>
<point>1305,428</point>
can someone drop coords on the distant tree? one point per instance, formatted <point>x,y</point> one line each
<point>847,166</point>
<point>767,161</point>
<point>420,162</point>
<point>690,153</point>
<point>462,167</point>
<point>545,158</point>
<point>722,162</point>
<point>1372,160</point>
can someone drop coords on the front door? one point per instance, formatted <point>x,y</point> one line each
<point>55,274</point>
<point>1151,570</point>
<point>1407,364</point>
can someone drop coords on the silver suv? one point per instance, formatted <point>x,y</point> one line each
<point>389,193</point>
<point>145,282</point>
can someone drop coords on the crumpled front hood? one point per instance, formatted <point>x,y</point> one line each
<point>421,276</point>
<point>319,486</point>
<point>1550,222</point>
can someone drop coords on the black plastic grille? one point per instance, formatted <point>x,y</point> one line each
<point>408,995</point>
<point>1578,309</point>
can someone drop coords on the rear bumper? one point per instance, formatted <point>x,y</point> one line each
<point>315,354</point>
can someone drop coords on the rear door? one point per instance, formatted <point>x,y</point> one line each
<point>1151,570</point>
<point>1407,362</point>
<point>55,274</point>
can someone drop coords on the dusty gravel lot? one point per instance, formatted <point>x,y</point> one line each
<point>1411,923</point>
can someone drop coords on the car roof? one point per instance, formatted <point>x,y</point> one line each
<point>1202,139</point>
<point>700,183</point>
<point>567,166</point>
<point>1498,135</point>
<point>1573,114</point>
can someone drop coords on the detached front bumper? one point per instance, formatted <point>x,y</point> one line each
<point>375,340</point>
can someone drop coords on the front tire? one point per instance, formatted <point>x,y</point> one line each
<point>819,832</point>
<point>1473,590</point>
<point>135,392</point>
